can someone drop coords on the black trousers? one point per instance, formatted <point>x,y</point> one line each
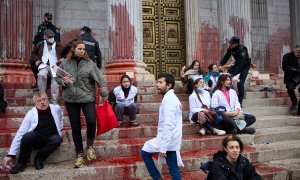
<point>291,86</point>
<point>227,124</point>
<point>89,111</point>
<point>241,84</point>
<point>35,140</point>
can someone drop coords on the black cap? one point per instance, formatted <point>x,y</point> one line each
<point>86,29</point>
<point>48,15</point>
<point>49,33</point>
<point>234,40</point>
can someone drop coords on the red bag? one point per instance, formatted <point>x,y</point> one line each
<point>106,118</point>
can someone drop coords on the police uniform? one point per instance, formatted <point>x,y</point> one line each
<point>39,36</point>
<point>241,65</point>
<point>92,47</point>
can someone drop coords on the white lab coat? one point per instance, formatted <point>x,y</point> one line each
<point>196,105</point>
<point>218,99</point>
<point>169,130</point>
<point>30,122</point>
<point>120,97</point>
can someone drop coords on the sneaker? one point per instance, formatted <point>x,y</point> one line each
<point>133,123</point>
<point>248,131</point>
<point>202,131</point>
<point>79,161</point>
<point>90,153</point>
<point>219,132</point>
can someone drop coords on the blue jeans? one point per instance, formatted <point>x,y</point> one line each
<point>171,162</point>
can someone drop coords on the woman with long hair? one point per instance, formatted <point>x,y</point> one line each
<point>79,93</point>
<point>199,102</point>
<point>190,74</point>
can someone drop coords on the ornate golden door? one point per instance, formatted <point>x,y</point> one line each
<point>163,36</point>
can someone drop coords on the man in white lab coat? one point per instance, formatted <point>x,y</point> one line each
<point>169,132</point>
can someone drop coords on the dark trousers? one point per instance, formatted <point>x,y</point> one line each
<point>34,68</point>
<point>241,84</point>
<point>34,139</point>
<point>130,110</point>
<point>291,86</point>
<point>228,124</point>
<point>171,162</point>
<point>89,112</point>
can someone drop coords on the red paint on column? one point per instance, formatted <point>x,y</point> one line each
<point>275,47</point>
<point>207,45</point>
<point>240,27</point>
<point>121,38</point>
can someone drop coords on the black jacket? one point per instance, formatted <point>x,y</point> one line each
<point>222,170</point>
<point>290,66</point>
<point>241,57</point>
<point>39,36</point>
<point>92,48</point>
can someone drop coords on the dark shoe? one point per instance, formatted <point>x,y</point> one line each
<point>38,164</point>
<point>232,131</point>
<point>248,131</point>
<point>18,168</point>
<point>34,86</point>
<point>133,123</point>
<point>293,108</point>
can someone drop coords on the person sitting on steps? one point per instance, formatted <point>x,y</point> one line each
<point>226,97</point>
<point>125,101</point>
<point>40,129</point>
<point>199,102</point>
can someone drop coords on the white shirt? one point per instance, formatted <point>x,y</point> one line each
<point>120,97</point>
<point>169,130</point>
<point>196,105</point>
<point>30,122</point>
<point>218,99</point>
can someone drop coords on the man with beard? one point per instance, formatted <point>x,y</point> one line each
<point>241,65</point>
<point>40,129</point>
<point>125,101</point>
<point>169,132</point>
<point>291,68</point>
<point>39,36</point>
<point>226,97</point>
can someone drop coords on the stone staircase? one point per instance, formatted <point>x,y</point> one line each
<point>274,148</point>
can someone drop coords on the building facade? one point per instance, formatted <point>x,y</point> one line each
<point>147,37</point>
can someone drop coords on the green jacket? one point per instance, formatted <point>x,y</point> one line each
<point>85,76</point>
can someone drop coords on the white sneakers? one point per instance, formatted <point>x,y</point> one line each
<point>216,131</point>
<point>202,131</point>
<point>219,132</point>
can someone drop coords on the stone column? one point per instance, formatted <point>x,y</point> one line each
<point>295,21</point>
<point>15,41</point>
<point>192,30</point>
<point>126,43</point>
<point>235,20</point>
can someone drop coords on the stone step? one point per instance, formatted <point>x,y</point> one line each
<point>263,102</point>
<point>133,167</point>
<point>146,127</point>
<point>267,110</point>
<point>256,95</point>
<point>130,145</point>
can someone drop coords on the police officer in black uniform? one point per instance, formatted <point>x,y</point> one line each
<point>91,45</point>
<point>39,36</point>
<point>241,65</point>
